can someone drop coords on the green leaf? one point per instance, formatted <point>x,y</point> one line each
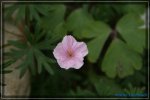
<point>44,61</point>
<point>120,60</point>
<point>33,12</point>
<point>23,68</point>
<point>134,90</point>
<point>99,32</point>
<point>9,11</point>
<point>129,28</point>
<point>16,54</point>
<point>134,8</point>
<point>95,29</point>
<point>48,68</point>
<point>60,31</point>
<point>77,21</point>
<point>45,44</point>
<point>36,11</point>
<point>30,53</point>
<point>55,17</point>
<point>39,33</point>
<point>103,85</point>
<point>106,87</point>
<point>81,93</point>
<point>136,79</point>
<point>7,63</point>
<point>39,63</point>
<point>21,13</point>
<point>43,9</point>
<point>31,60</point>
<point>105,12</point>
<point>17,43</point>
<point>41,60</point>
<point>28,34</point>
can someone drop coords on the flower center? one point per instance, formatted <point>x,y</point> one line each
<point>69,53</point>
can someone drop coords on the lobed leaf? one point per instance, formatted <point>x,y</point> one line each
<point>77,21</point>
<point>99,32</point>
<point>129,28</point>
<point>120,60</point>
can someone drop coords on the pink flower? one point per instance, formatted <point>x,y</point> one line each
<point>70,53</point>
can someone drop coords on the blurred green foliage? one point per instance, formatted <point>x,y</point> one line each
<point>116,45</point>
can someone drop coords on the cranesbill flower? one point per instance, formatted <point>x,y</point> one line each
<point>70,53</point>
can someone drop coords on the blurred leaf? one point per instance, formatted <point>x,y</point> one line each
<point>4,65</point>
<point>55,17</point>
<point>31,59</point>
<point>18,10</point>
<point>99,32</point>
<point>35,56</point>
<point>104,12</point>
<point>136,79</point>
<point>23,67</point>
<point>95,29</point>
<point>21,10</point>
<point>43,61</point>
<point>37,10</point>
<point>81,93</point>
<point>60,31</point>
<point>103,85</point>
<point>134,8</point>
<point>16,53</point>
<point>9,11</point>
<point>33,11</point>
<point>120,60</point>
<point>38,32</point>
<point>45,44</point>
<point>106,87</point>
<point>7,63</point>
<point>28,51</point>
<point>133,91</point>
<point>28,35</point>
<point>129,28</point>
<point>48,68</point>
<point>17,43</point>
<point>77,21</point>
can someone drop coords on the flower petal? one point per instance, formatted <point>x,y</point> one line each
<point>68,42</point>
<point>59,52</point>
<point>81,49</point>
<point>66,64</point>
<point>78,63</point>
<point>71,63</point>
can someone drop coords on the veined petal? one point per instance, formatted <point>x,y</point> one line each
<point>81,49</point>
<point>59,52</point>
<point>66,64</point>
<point>78,63</point>
<point>68,42</point>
